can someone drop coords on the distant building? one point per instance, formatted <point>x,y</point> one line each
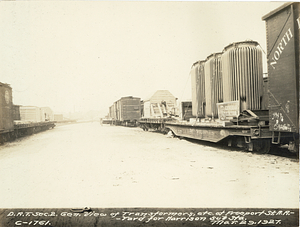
<point>58,117</point>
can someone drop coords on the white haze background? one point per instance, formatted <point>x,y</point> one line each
<point>84,55</point>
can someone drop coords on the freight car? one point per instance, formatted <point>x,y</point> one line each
<point>11,125</point>
<point>126,111</point>
<point>233,103</point>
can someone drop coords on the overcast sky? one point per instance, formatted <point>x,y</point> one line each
<point>79,55</point>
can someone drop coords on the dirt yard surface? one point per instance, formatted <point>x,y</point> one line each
<point>88,164</point>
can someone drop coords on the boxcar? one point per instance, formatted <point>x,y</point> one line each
<point>282,27</point>
<point>16,113</point>
<point>126,111</point>
<point>6,109</point>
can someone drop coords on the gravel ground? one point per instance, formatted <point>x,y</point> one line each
<point>88,164</point>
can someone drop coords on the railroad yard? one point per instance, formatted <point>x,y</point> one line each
<point>101,136</point>
<point>89,164</point>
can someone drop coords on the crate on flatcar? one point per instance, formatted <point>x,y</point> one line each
<point>30,114</point>
<point>186,112</point>
<point>161,104</point>
<point>46,114</point>
<point>159,108</point>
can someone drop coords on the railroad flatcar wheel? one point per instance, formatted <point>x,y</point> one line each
<point>165,131</point>
<point>5,137</point>
<point>262,146</point>
<point>12,136</point>
<point>144,127</point>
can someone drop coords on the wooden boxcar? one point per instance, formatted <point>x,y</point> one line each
<point>126,111</point>
<point>282,27</point>
<point>16,113</point>
<point>6,109</point>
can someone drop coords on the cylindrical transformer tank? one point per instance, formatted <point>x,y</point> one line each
<point>213,84</point>
<point>242,74</point>
<point>198,89</point>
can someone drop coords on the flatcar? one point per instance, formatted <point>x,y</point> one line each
<point>233,102</point>
<point>11,126</point>
<point>157,110</point>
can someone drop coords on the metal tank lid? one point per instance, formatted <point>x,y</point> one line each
<point>198,62</point>
<point>214,55</point>
<point>129,97</point>
<point>195,63</point>
<point>239,44</point>
<point>5,84</point>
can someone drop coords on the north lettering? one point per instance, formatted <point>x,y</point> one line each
<point>280,48</point>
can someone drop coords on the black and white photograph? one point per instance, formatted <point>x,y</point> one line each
<point>149,113</point>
